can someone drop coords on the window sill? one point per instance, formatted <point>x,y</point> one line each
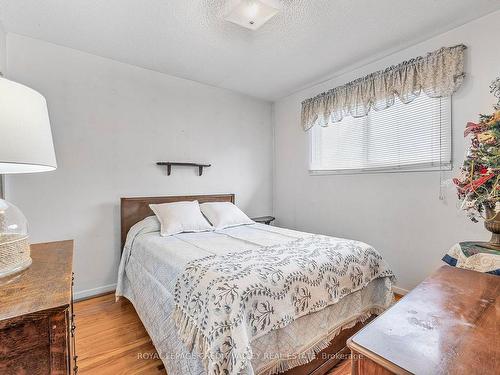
<point>323,172</point>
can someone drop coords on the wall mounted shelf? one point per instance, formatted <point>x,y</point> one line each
<point>169,165</point>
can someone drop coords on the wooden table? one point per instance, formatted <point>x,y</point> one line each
<point>447,325</point>
<point>36,314</point>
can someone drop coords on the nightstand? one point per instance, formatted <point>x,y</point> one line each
<point>264,219</point>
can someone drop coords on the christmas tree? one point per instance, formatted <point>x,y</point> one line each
<point>478,185</point>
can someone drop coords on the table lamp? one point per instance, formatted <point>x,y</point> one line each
<point>25,147</point>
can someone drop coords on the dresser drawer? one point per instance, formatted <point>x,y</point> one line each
<point>22,336</point>
<point>35,361</point>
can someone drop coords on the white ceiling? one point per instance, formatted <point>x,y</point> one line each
<point>307,40</point>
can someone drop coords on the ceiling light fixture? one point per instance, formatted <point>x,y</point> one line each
<point>252,14</point>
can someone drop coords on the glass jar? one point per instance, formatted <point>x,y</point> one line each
<point>14,243</point>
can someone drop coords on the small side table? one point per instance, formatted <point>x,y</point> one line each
<point>264,219</point>
<point>470,256</point>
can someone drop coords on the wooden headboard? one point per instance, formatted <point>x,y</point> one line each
<point>134,210</point>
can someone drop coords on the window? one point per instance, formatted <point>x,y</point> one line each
<point>403,137</point>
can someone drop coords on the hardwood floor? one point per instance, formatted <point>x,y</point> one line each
<point>343,368</point>
<point>110,339</point>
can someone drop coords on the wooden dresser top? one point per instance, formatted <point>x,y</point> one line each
<point>446,325</point>
<point>45,285</point>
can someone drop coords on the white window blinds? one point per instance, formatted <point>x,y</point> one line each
<point>403,137</point>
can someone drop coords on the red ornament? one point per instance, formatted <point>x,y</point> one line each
<point>472,186</point>
<point>472,127</point>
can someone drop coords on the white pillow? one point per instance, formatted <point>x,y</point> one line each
<point>180,217</point>
<point>224,215</point>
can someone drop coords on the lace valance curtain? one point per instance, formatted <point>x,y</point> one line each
<point>437,74</point>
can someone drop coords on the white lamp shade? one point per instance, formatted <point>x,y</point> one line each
<point>25,138</point>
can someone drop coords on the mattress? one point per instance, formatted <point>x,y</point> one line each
<point>151,264</point>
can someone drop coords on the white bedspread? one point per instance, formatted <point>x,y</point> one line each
<point>151,265</point>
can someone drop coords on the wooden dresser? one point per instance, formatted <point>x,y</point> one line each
<point>37,331</point>
<point>446,325</point>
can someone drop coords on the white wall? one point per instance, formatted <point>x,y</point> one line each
<point>400,213</point>
<point>111,122</point>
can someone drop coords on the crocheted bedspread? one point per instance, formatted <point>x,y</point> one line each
<point>223,302</point>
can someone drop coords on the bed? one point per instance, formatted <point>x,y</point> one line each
<point>151,267</point>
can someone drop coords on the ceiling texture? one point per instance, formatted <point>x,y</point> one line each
<point>307,41</point>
